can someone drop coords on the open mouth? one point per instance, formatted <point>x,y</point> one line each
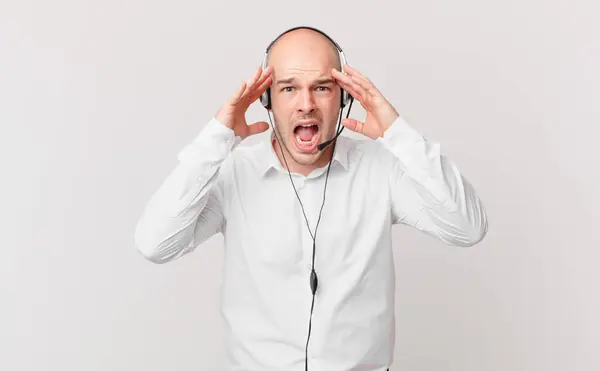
<point>306,135</point>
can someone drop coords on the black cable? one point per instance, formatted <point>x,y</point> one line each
<point>313,274</point>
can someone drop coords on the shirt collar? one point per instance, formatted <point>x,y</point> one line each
<point>267,160</point>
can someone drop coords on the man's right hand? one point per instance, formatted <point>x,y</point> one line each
<point>233,113</point>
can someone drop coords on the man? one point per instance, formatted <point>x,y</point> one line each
<point>268,200</point>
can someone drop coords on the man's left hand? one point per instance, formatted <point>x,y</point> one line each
<point>380,113</point>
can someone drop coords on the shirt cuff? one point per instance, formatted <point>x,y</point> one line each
<point>215,141</point>
<point>400,137</point>
<point>215,130</point>
<point>418,157</point>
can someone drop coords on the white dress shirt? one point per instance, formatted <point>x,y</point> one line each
<point>244,193</point>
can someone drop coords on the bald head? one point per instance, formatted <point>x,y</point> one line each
<point>304,45</point>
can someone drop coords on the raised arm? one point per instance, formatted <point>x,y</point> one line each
<point>428,191</point>
<point>189,207</point>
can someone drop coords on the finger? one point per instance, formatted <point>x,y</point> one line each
<point>360,79</point>
<point>347,84</point>
<point>260,89</point>
<point>265,74</point>
<point>238,94</point>
<point>354,125</point>
<point>256,76</point>
<point>253,80</point>
<point>336,74</point>
<point>354,72</point>
<point>364,84</point>
<point>354,89</point>
<point>257,127</point>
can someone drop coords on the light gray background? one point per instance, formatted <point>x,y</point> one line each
<point>97,98</point>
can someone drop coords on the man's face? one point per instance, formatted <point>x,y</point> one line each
<point>305,100</point>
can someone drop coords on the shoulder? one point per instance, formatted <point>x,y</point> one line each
<point>246,156</point>
<point>365,152</point>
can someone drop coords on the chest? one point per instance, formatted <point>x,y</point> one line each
<point>270,222</point>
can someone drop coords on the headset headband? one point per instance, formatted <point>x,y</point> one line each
<point>308,28</point>
<point>265,98</point>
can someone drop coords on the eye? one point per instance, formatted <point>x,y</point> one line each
<point>324,88</point>
<point>287,88</point>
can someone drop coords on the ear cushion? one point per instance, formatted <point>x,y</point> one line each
<point>265,98</point>
<point>345,99</point>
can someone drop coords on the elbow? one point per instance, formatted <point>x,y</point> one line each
<point>473,238</point>
<point>158,250</point>
<point>150,251</point>
<point>473,233</point>
<point>145,245</point>
<point>464,239</point>
<point>162,240</point>
<point>150,254</point>
<point>463,230</point>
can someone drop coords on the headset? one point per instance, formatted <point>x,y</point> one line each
<point>346,99</point>
<point>265,98</point>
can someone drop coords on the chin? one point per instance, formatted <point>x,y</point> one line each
<point>302,155</point>
<point>306,159</point>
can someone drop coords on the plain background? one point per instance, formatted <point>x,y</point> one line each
<point>98,97</point>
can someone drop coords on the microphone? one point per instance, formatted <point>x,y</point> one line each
<point>324,145</point>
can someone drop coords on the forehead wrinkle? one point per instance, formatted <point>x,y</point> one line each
<point>313,75</point>
<point>296,71</point>
<point>319,80</point>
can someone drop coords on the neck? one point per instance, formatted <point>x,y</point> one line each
<point>295,167</point>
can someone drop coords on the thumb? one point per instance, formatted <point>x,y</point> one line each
<point>354,125</point>
<point>257,128</point>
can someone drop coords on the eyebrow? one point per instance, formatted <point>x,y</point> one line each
<point>323,80</point>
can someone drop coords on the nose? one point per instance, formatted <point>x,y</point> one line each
<point>306,102</point>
